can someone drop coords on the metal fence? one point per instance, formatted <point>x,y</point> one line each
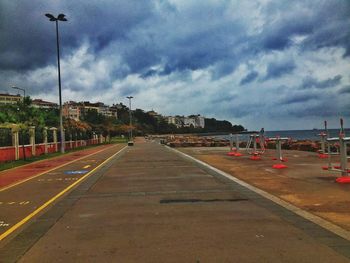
<point>24,136</point>
<point>5,137</point>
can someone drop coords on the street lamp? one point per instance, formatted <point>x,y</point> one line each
<point>60,17</point>
<point>130,143</point>
<point>24,91</point>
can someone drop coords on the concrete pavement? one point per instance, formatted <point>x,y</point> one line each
<point>151,205</point>
<point>37,190</point>
<point>304,183</point>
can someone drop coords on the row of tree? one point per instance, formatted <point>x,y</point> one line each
<point>25,115</point>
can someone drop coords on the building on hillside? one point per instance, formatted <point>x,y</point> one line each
<point>178,121</point>
<point>156,115</point>
<point>189,121</point>
<point>86,106</point>
<point>200,121</point>
<point>10,99</point>
<point>195,121</point>
<point>114,111</point>
<point>100,107</point>
<point>39,103</point>
<point>71,110</point>
<point>118,106</point>
<point>152,113</point>
<point>104,110</point>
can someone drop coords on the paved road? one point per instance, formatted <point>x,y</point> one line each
<point>148,204</point>
<point>11,177</point>
<point>38,185</point>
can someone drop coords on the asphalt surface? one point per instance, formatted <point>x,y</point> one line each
<point>9,178</point>
<point>303,183</point>
<point>34,187</point>
<point>148,204</point>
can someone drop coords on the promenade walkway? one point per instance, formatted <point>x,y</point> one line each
<point>148,204</point>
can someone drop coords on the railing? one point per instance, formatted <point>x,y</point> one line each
<point>8,153</point>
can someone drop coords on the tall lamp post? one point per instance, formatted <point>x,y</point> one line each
<point>130,143</point>
<point>24,91</point>
<point>60,17</point>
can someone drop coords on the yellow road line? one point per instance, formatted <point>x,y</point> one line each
<point>57,167</point>
<point>31,215</point>
<point>86,166</point>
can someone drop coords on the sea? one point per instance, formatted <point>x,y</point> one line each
<point>312,135</point>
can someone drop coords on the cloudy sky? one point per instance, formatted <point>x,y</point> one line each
<point>277,64</point>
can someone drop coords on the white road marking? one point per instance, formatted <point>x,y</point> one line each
<point>3,224</point>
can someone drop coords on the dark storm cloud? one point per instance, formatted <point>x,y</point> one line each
<point>323,23</point>
<point>311,82</point>
<point>141,46</point>
<point>318,110</point>
<point>278,69</point>
<point>278,35</point>
<point>299,98</point>
<point>222,69</point>
<point>249,78</point>
<point>149,73</point>
<point>129,90</point>
<point>345,90</point>
<point>332,26</point>
<point>27,38</point>
<point>191,39</point>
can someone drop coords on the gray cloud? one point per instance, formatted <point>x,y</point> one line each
<point>299,98</point>
<point>146,33</point>
<point>280,68</point>
<point>249,78</point>
<point>224,98</point>
<point>174,53</point>
<point>27,39</point>
<point>310,82</point>
<point>345,90</point>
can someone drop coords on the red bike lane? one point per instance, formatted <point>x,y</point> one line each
<point>20,174</point>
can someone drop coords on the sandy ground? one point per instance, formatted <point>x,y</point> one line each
<point>303,183</point>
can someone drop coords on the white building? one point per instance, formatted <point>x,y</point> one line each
<point>176,120</point>
<point>200,121</point>
<point>101,108</point>
<point>42,104</point>
<point>10,99</point>
<point>195,121</point>
<point>189,121</point>
<point>71,110</point>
